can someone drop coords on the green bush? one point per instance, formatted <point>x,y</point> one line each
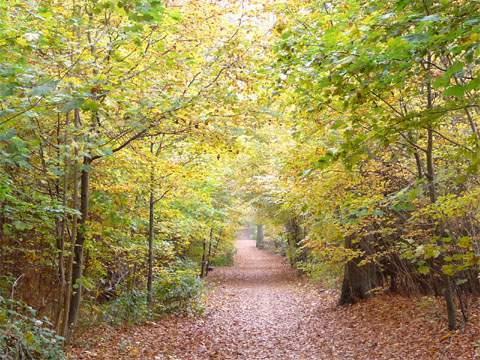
<point>129,308</point>
<point>175,290</point>
<point>225,258</point>
<point>24,336</point>
<point>179,290</point>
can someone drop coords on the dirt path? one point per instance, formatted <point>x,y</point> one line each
<point>258,309</point>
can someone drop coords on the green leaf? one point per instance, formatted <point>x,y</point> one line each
<point>464,242</point>
<point>44,89</point>
<point>20,225</point>
<point>473,84</point>
<point>431,18</point>
<point>72,105</point>
<point>84,282</point>
<point>455,68</point>
<point>90,105</point>
<point>448,269</point>
<point>455,90</point>
<point>424,269</point>
<point>431,252</point>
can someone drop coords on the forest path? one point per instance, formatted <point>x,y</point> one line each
<point>256,310</point>
<point>260,309</point>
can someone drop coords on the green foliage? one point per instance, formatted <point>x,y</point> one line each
<point>381,170</point>
<point>323,272</point>
<point>131,308</point>
<point>349,130</point>
<point>24,336</point>
<point>225,258</point>
<point>117,101</point>
<point>176,289</point>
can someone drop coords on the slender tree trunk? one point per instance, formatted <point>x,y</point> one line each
<point>62,235</point>
<point>77,270</point>
<point>204,254</point>
<point>430,165</point>
<point>418,163</point>
<point>449,301</point>
<point>204,265</point>
<point>207,262</point>
<point>67,329</point>
<point>447,292</point>
<point>69,286</point>
<point>150,236</point>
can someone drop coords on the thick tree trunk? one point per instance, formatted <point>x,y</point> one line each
<point>260,236</point>
<point>294,238</point>
<point>357,280</point>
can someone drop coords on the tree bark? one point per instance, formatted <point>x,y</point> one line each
<point>430,166</point>
<point>150,238</point>
<point>207,263</point>
<point>260,236</point>
<point>77,270</point>
<point>447,293</point>
<point>357,280</point>
<point>449,301</point>
<point>204,254</point>
<point>294,238</point>
<point>67,297</point>
<point>62,235</point>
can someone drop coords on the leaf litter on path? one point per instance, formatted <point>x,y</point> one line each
<point>260,309</point>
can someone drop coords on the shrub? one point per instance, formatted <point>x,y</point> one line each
<point>131,308</point>
<point>178,290</point>
<point>24,336</point>
<point>175,290</point>
<point>225,258</point>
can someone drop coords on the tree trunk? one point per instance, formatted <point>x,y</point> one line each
<point>79,243</point>
<point>150,245</point>
<point>448,293</point>
<point>204,254</point>
<point>207,263</point>
<point>449,300</point>
<point>62,237</point>
<point>69,288</point>
<point>357,280</point>
<point>430,166</point>
<point>294,238</point>
<point>260,236</point>
<point>430,171</point>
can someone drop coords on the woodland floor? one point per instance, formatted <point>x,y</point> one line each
<point>260,309</point>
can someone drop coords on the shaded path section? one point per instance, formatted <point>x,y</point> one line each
<point>259,309</point>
